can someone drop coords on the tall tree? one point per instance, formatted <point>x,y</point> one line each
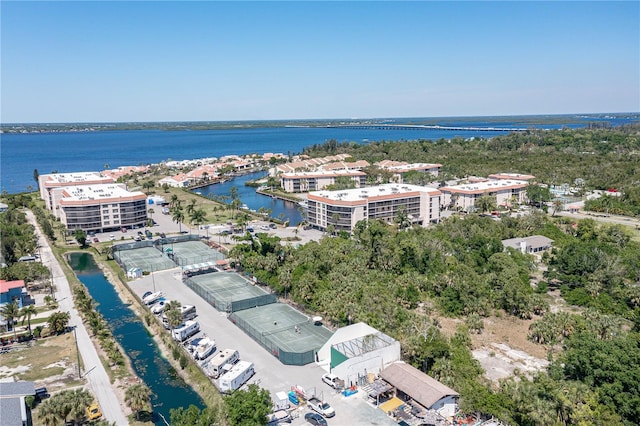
<point>178,215</point>
<point>26,313</point>
<point>11,312</point>
<point>58,321</point>
<point>137,398</point>
<point>249,407</point>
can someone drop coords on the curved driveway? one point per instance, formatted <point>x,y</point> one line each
<point>94,372</point>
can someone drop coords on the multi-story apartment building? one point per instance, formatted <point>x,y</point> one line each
<point>343,209</point>
<point>463,197</point>
<point>99,208</point>
<point>315,181</point>
<point>49,182</point>
<point>400,168</point>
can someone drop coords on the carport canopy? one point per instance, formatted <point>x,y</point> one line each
<point>422,388</point>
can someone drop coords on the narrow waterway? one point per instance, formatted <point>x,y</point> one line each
<point>169,390</point>
<point>280,209</point>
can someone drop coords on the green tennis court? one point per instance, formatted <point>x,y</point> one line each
<point>146,258</point>
<point>290,335</point>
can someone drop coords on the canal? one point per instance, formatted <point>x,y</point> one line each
<point>168,389</point>
<point>287,210</point>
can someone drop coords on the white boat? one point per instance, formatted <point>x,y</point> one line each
<point>205,348</point>
<point>152,297</point>
<point>158,307</point>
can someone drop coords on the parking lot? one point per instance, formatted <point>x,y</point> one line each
<point>270,373</point>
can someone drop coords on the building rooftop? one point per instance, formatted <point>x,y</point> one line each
<point>532,241</point>
<point>480,187</point>
<point>423,388</point>
<point>386,190</point>
<point>364,344</point>
<point>323,173</point>
<point>75,177</point>
<point>513,176</point>
<point>5,286</point>
<point>98,192</point>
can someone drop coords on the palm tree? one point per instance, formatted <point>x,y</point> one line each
<point>172,311</point>
<point>10,312</point>
<point>178,215</point>
<point>557,206</point>
<point>77,401</point>
<point>26,313</point>
<point>137,398</point>
<point>48,413</point>
<point>198,217</point>
<point>58,321</point>
<point>174,200</point>
<point>191,206</point>
<point>485,203</point>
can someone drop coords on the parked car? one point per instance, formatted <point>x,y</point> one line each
<point>93,412</point>
<point>96,240</point>
<point>123,229</point>
<point>42,393</point>
<point>112,237</point>
<point>315,419</point>
<point>273,226</point>
<point>333,381</point>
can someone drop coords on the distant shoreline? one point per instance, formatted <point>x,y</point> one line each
<point>539,120</point>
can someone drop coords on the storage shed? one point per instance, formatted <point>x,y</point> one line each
<point>134,273</point>
<point>411,383</point>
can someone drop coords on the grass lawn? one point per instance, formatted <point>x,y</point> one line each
<point>47,358</point>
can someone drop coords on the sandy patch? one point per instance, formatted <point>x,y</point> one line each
<point>500,361</point>
<point>503,347</point>
<point>9,372</point>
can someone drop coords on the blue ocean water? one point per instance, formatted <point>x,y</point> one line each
<point>21,153</point>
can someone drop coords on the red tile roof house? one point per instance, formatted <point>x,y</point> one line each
<point>12,290</point>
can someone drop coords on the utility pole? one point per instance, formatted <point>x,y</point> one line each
<point>75,336</point>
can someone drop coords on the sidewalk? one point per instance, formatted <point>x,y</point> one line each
<point>95,372</point>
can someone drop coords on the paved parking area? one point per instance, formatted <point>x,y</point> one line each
<point>270,373</point>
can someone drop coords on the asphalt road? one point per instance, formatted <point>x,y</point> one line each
<point>94,371</point>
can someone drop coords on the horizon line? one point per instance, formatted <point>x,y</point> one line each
<point>317,119</point>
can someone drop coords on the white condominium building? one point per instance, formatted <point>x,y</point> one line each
<point>464,196</point>
<point>58,180</point>
<point>100,207</point>
<point>315,181</point>
<point>343,209</point>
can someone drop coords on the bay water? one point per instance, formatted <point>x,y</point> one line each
<point>64,152</point>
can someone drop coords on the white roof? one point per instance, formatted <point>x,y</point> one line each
<point>97,192</point>
<point>373,191</point>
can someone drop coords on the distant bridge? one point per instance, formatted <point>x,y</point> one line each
<point>425,127</point>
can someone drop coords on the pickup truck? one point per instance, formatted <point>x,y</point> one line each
<point>333,381</point>
<point>321,407</point>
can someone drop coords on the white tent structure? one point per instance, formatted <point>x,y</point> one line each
<point>134,273</point>
<point>357,350</point>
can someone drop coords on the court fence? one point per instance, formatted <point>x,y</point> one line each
<point>265,340</point>
<point>225,305</point>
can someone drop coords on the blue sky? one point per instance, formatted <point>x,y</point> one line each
<point>175,61</point>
